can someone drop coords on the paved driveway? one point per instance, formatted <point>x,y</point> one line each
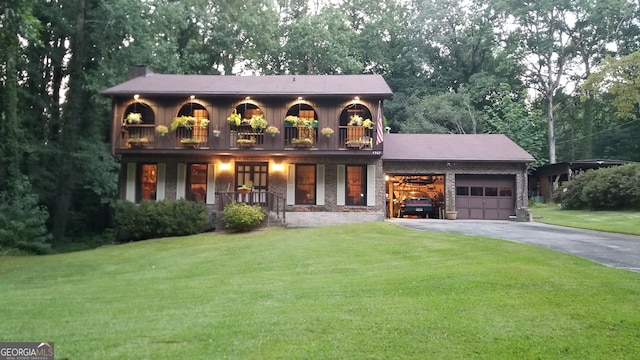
<point>615,250</point>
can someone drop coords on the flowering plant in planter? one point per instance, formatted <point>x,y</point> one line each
<point>133,118</point>
<point>234,118</point>
<point>258,122</point>
<point>302,142</point>
<point>183,121</point>
<point>357,120</point>
<point>326,131</point>
<point>272,130</point>
<point>138,141</point>
<point>162,130</point>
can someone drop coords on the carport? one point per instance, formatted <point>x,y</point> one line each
<point>480,176</point>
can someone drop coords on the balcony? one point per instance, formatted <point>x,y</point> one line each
<point>244,138</point>
<point>138,136</point>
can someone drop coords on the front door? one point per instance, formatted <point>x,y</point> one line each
<point>257,173</point>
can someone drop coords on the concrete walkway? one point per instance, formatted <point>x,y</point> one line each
<point>615,250</point>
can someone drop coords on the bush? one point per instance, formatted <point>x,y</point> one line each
<point>154,219</point>
<point>242,217</point>
<point>613,188</point>
<point>22,222</point>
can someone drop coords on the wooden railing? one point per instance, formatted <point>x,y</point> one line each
<point>138,135</point>
<point>274,204</point>
<point>357,137</point>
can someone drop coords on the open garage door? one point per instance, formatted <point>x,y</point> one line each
<point>420,195</point>
<point>489,197</point>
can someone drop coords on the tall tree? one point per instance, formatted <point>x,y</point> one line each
<point>543,37</point>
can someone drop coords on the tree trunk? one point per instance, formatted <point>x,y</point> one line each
<point>69,134</point>
<point>551,129</point>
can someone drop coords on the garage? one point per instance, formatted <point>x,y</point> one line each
<point>485,197</point>
<point>415,195</point>
<point>476,176</point>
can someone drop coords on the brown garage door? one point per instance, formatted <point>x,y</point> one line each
<point>485,197</point>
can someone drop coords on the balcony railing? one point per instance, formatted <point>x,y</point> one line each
<point>355,137</point>
<point>135,136</point>
<point>197,136</point>
<point>290,138</point>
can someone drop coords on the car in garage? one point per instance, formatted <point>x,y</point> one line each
<point>418,204</point>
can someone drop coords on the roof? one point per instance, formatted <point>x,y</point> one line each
<point>453,147</point>
<point>565,167</point>
<point>266,85</point>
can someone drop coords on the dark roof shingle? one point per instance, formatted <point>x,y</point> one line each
<point>267,85</point>
<point>453,147</point>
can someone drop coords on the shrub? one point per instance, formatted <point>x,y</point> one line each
<point>22,221</point>
<point>242,217</point>
<point>153,219</point>
<point>604,189</point>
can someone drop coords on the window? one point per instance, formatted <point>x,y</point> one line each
<point>477,191</point>
<point>506,191</point>
<point>462,190</point>
<point>147,181</point>
<point>305,184</point>
<point>356,185</point>
<point>490,191</point>
<point>197,182</point>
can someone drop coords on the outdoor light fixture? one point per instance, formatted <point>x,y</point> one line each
<point>192,97</point>
<point>356,98</point>
<point>299,97</point>
<point>225,166</point>
<point>248,98</point>
<point>136,97</point>
<point>277,167</point>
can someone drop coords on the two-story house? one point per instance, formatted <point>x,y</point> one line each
<point>310,143</point>
<point>310,146</point>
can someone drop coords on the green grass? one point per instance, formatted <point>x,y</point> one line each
<point>624,222</point>
<point>368,291</point>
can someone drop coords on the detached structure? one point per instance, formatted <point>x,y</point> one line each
<point>308,146</point>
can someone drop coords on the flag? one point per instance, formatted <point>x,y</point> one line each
<point>379,125</point>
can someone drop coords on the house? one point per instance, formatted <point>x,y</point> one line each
<point>309,146</point>
<point>215,147</point>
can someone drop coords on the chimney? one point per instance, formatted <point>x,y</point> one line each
<point>138,71</point>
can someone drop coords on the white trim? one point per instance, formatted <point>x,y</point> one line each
<point>371,185</point>
<point>341,186</point>
<point>181,186</point>
<point>130,190</point>
<point>291,184</point>
<point>211,184</point>
<point>320,185</point>
<point>161,183</point>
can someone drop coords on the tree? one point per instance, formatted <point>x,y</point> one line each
<point>508,114</point>
<point>448,112</point>
<point>621,78</point>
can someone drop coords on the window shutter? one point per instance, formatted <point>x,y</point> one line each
<point>211,184</point>
<point>130,190</point>
<point>160,181</point>
<point>291,185</point>
<point>371,185</point>
<point>181,186</point>
<point>320,185</point>
<point>340,188</point>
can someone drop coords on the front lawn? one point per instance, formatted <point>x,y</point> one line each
<point>368,291</point>
<point>624,222</point>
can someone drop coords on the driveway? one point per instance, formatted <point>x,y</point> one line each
<point>615,250</point>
